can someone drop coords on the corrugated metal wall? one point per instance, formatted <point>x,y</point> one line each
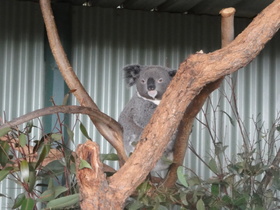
<point>105,40</point>
<point>21,69</point>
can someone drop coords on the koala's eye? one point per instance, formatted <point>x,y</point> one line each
<point>160,80</point>
<point>143,81</point>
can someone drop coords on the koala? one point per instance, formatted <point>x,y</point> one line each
<point>151,83</point>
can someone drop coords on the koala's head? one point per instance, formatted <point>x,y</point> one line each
<point>151,81</point>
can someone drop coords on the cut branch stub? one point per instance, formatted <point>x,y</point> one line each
<point>95,192</point>
<point>92,182</point>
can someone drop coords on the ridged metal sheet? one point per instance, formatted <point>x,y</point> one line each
<point>120,37</point>
<point>21,70</point>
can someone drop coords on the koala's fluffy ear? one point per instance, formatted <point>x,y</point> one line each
<point>131,73</point>
<point>172,73</point>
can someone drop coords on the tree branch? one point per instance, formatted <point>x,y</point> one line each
<point>194,73</point>
<point>93,113</point>
<point>184,130</point>
<point>113,136</point>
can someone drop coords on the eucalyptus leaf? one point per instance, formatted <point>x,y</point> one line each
<point>183,197</point>
<point>200,205</point>
<point>4,131</point>
<point>59,189</point>
<point>230,118</point>
<point>19,200</point>
<point>45,151</point>
<point>84,164</point>
<point>47,195</point>
<point>84,131</point>
<point>4,172</point>
<point>28,204</point>
<point>194,181</point>
<point>56,136</point>
<point>54,168</point>
<point>22,140</point>
<point>32,178</point>
<point>4,151</point>
<point>70,134</point>
<point>24,170</point>
<point>63,202</point>
<point>29,126</point>
<point>213,166</point>
<point>215,189</point>
<point>181,176</point>
<point>50,184</point>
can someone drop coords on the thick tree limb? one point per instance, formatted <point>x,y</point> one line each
<point>184,130</point>
<point>113,136</point>
<point>194,73</point>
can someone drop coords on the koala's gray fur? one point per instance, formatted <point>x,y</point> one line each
<point>151,82</point>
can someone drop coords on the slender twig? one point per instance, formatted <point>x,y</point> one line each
<point>110,122</point>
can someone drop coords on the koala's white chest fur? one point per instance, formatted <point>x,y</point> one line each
<point>155,101</point>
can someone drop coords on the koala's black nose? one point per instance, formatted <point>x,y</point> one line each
<point>151,84</point>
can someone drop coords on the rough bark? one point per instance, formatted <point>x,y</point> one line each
<point>114,136</point>
<point>94,190</point>
<point>185,127</point>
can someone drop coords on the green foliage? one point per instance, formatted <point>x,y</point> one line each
<point>84,131</point>
<point>27,169</point>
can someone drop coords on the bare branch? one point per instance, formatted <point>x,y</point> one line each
<point>113,136</point>
<point>97,115</point>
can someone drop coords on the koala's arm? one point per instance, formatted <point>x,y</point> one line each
<point>128,120</point>
<point>133,119</point>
